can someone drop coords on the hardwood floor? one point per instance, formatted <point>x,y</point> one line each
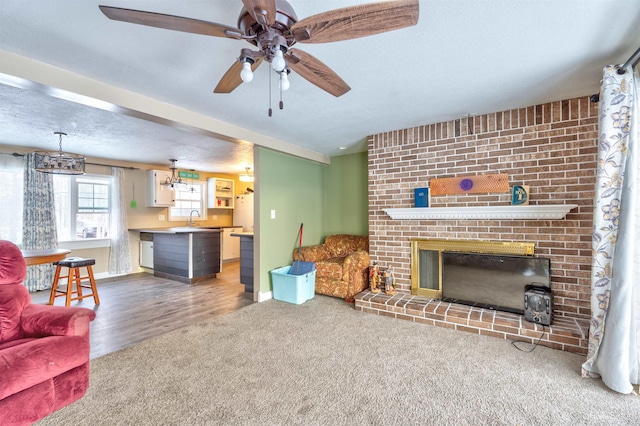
<point>140,306</point>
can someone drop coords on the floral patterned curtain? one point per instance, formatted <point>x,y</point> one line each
<point>39,222</point>
<point>614,335</point>
<point>119,256</point>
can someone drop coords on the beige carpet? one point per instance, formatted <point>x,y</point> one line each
<point>323,363</point>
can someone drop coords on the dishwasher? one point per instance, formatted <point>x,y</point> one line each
<point>230,245</point>
<point>146,250</point>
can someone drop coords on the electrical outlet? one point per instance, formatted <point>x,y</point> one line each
<point>273,214</point>
<point>214,217</point>
<point>160,217</point>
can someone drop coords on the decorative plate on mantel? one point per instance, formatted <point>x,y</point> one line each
<point>532,212</point>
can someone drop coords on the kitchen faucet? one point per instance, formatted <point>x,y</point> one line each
<point>191,216</point>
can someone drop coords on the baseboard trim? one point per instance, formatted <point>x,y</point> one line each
<point>265,296</point>
<point>102,275</point>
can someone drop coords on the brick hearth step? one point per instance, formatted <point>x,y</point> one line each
<point>567,334</point>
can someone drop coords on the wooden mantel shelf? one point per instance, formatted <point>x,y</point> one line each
<point>532,212</point>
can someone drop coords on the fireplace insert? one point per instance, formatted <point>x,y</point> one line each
<point>493,281</point>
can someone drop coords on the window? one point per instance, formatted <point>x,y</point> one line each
<point>189,198</point>
<point>82,206</point>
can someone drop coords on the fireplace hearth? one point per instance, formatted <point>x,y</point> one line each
<point>567,334</point>
<point>425,304</point>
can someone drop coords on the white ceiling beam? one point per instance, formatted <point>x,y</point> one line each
<point>24,72</point>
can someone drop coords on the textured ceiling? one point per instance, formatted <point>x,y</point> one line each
<point>463,57</point>
<point>30,117</point>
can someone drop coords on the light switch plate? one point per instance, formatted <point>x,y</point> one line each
<point>273,214</point>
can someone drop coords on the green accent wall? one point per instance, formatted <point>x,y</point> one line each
<point>347,195</point>
<point>294,188</point>
<point>328,199</point>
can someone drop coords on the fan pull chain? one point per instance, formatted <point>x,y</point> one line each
<point>280,86</point>
<point>281,103</point>
<point>270,110</point>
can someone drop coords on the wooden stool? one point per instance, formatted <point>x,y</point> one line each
<point>73,275</point>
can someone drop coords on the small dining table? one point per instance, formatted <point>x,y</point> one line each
<point>37,257</point>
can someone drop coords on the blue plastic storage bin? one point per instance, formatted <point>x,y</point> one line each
<point>295,289</point>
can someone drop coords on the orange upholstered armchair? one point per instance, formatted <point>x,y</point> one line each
<point>342,264</point>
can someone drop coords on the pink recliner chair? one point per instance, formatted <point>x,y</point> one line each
<point>44,350</point>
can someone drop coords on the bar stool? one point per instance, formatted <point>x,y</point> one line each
<point>73,265</point>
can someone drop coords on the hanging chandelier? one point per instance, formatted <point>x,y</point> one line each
<point>62,163</point>
<point>247,177</point>
<point>175,182</point>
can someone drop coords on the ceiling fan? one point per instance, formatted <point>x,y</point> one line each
<point>272,26</point>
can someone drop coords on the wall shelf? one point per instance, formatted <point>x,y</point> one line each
<point>532,212</point>
<point>220,193</point>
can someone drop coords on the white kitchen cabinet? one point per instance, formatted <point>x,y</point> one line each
<point>230,245</point>
<point>159,195</point>
<point>220,193</point>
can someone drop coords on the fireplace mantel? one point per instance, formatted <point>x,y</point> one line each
<point>533,212</point>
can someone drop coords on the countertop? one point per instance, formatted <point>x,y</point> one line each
<point>176,230</point>
<point>242,234</point>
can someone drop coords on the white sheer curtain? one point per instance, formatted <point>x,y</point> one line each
<point>614,335</point>
<point>119,256</point>
<point>12,178</point>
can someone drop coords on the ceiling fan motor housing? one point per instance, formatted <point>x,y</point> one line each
<point>285,18</point>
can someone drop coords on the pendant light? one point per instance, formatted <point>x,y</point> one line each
<point>248,176</point>
<point>61,163</point>
<point>174,181</point>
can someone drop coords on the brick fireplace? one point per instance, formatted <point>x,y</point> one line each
<point>550,147</point>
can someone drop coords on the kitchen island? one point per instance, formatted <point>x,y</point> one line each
<point>246,259</point>
<point>186,254</point>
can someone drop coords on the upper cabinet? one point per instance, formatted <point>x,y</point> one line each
<point>220,193</point>
<point>159,195</point>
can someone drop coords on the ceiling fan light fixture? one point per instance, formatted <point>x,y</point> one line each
<point>246,74</point>
<point>278,62</point>
<point>284,81</point>
<point>61,163</point>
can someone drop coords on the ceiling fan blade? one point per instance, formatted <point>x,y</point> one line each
<point>231,79</point>
<point>356,21</point>
<point>315,72</point>
<point>264,11</point>
<point>170,22</point>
